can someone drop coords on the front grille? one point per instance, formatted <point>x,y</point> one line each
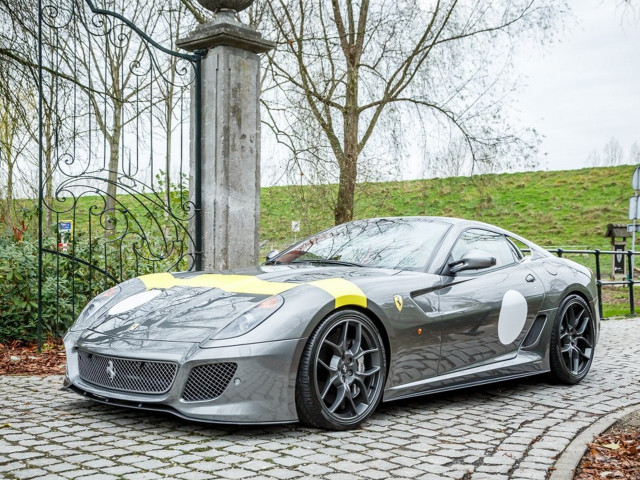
<point>208,382</point>
<point>136,376</point>
<point>534,332</point>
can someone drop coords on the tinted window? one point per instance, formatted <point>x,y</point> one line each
<point>405,244</point>
<point>492,243</point>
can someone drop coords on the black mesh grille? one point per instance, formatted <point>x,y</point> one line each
<point>208,382</point>
<point>136,376</point>
<point>534,332</point>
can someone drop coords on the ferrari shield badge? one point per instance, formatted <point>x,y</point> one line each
<point>398,301</point>
<point>133,327</point>
<point>111,370</point>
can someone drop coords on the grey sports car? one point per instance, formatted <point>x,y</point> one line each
<point>369,311</point>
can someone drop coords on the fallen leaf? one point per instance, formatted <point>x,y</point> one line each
<point>612,446</point>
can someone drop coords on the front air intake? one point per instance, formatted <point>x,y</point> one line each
<point>126,375</point>
<point>208,382</point>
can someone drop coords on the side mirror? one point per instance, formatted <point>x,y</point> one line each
<point>272,254</point>
<point>472,260</point>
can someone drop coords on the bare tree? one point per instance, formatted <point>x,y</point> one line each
<point>612,153</point>
<point>98,61</point>
<point>594,159</point>
<point>345,72</point>
<point>15,118</point>
<point>634,154</point>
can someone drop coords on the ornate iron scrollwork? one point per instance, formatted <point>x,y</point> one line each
<point>114,149</point>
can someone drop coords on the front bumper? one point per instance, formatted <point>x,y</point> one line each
<point>262,390</point>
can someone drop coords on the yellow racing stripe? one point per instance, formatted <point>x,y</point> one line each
<point>345,292</point>
<point>229,283</point>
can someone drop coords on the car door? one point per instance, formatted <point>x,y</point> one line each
<point>486,312</point>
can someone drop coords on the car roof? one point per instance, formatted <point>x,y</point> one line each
<point>450,220</point>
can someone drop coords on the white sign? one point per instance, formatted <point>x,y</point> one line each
<point>631,227</point>
<point>635,180</point>
<point>295,225</point>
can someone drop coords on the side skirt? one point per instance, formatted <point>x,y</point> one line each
<point>510,369</point>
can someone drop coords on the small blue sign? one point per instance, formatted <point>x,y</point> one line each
<point>65,227</point>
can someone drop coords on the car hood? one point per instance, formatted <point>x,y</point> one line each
<point>194,306</point>
<point>180,313</point>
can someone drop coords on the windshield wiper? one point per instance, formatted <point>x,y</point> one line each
<point>328,261</point>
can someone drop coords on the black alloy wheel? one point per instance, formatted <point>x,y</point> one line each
<point>572,340</point>
<point>342,372</point>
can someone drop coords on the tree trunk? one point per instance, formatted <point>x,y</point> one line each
<point>348,173</point>
<point>48,177</point>
<point>114,162</point>
<point>9,212</point>
<point>349,164</point>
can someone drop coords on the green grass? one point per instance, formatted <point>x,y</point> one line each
<point>561,208</point>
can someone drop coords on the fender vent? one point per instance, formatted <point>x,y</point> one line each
<point>208,382</point>
<point>534,332</point>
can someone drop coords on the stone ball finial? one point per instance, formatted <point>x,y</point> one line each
<point>217,5</point>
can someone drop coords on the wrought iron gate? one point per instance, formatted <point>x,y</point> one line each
<point>114,151</point>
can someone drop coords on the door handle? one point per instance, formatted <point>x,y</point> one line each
<point>530,278</point>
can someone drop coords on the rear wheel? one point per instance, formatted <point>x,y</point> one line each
<point>342,372</point>
<point>572,341</point>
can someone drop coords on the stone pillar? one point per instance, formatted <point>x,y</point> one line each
<point>230,136</point>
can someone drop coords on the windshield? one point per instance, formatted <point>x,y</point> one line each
<point>405,244</point>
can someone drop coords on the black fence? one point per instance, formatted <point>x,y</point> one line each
<point>628,281</point>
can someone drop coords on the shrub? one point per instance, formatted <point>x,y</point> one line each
<point>61,298</point>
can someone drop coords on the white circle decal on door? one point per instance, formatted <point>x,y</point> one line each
<point>513,315</point>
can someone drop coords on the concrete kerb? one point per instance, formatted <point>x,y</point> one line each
<point>565,466</point>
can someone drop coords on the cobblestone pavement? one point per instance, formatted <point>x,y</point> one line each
<point>508,430</point>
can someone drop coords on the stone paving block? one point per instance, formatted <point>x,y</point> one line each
<point>99,464</point>
<point>77,473</point>
<point>98,476</point>
<point>29,473</point>
<point>119,470</point>
<point>235,473</point>
<point>143,476</point>
<point>342,476</point>
<point>529,474</point>
<point>315,469</point>
<point>349,467</point>
<point>193,475</point>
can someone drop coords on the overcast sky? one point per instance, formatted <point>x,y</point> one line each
<point>584,89</point>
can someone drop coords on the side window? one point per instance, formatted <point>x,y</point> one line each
<point>522,250</point>
<point>494,244</point>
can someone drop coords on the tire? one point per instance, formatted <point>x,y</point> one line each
<point>572,341</point>
<point>341,373</point>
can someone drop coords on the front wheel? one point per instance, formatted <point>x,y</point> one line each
<point>342,372</point>
<point>572,340</point>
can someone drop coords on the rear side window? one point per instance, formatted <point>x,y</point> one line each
<point>495,244</point>
<point>522,250</point>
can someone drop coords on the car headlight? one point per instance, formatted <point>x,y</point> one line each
<point>250,319</point>
<point>93,307</point>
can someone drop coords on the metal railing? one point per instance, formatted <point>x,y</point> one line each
<point>629,281</point>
